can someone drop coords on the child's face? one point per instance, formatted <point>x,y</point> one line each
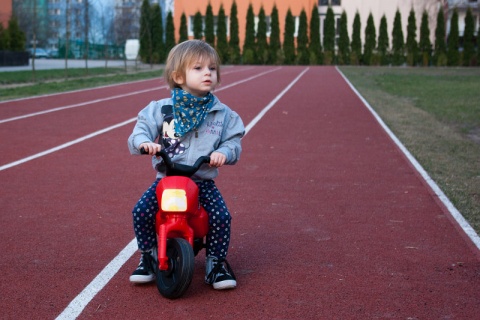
<point>201,78</point>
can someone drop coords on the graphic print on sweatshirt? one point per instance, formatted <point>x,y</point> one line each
<point>170,141</point>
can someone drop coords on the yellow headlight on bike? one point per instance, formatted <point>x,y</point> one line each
<point>174,200</point>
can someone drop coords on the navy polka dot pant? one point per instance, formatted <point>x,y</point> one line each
<point>218,237</point>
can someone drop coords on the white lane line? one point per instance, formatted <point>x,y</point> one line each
<point>79,104</point>
<point>79,90</point>
<point>467,228</point>
<point>272,103</point>
<point>65,145</point>
<point>76,306</point>
<point>247,79</point>
<point>99,100</point>
<point>94,134</point>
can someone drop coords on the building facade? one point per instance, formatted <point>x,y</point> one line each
<point>53,18</point>
<point>378,8</point>
<point>5,12</point>
<point>191,7</point>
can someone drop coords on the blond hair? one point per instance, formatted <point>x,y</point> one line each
<point>184,54</point>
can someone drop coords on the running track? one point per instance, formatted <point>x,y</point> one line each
<point>331,218</point>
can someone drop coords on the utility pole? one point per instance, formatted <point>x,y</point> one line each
<point>86,35</point>
<point>34,38</point>
<point>67,34</point>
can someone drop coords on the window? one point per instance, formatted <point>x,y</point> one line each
<point>329,2</point>
<point>336,18</point>
<point>215,22</point>
<point>337,29</point>
<point>297,24</point>
<point>267,22</point>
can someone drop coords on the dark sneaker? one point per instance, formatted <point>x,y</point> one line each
<point>145,271</point>
<point>220,274</point>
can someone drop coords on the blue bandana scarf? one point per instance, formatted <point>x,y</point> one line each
<point>189,111</point>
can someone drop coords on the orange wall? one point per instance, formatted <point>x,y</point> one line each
<point>5,12</point>
<point>190,7</point>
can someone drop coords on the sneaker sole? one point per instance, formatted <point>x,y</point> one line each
<point>223,285</point>
<point>142,279</point>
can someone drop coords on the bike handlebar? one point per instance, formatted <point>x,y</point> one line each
<point>177,169</point>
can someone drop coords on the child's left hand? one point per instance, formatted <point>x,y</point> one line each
<point>217,159</point>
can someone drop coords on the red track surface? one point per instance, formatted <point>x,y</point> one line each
<point>331,221</point>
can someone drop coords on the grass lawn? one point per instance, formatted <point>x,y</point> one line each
<point>435,112</point>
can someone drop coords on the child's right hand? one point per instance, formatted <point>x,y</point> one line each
<point>151,147</point>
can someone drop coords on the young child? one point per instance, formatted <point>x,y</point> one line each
<point>191,123</point>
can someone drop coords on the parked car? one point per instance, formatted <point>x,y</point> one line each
<point>52,53</point>
<point>39,53</point>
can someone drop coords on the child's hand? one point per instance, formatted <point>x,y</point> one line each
<point>217,159</point>
<point>151,147</point>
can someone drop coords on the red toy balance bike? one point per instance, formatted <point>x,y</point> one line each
<point>181,225</point>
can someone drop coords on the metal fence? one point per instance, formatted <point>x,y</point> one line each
<point>10,58</point>
<point>77,49</point>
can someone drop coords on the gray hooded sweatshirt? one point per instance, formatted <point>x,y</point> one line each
<point>221,131</point>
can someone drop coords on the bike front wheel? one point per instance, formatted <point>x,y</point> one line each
<point>173,282</point>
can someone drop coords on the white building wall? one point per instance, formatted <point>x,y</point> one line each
<point>378,8</point>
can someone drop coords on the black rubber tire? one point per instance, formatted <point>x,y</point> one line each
<point>173,283</point>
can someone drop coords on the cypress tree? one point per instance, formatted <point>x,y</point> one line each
<point>183,29</point>
<point>145,50</point>
<point>356,40</point>
<point>198,26</point>
<point>329,37</point>
<point>343,41</point>
<point>440,55</point>
<point>303,56</point>
<point>398,44</point>
<point>15,36</point>
<point>248,52</point>
<point>262,44</point>
<point>222,44</point>
<point>169,33</point>
<point>158,54</point>
<point>234,43</point>
<point>412,45</point>
<point>370,41</point>
<point>383,42</point>
<point>315,46</point>
<point>288,38</point>
<point>3,38</point>
<point>468,40</point>
<point>453,56</point>
<point>209,26</point>
<point>425,46</point>
<point>275,48</point>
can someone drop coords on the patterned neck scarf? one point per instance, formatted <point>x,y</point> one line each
<point>189,111</point>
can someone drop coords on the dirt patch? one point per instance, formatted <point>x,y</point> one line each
<point>474,135</point>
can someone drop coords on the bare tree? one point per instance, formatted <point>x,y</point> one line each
<point>104,21</point>
<point>86,26</point>
<point>27,13</point>
<point>34,38</point>
<point>67,35</point>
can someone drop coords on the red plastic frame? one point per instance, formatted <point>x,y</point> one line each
<point>189,225</point>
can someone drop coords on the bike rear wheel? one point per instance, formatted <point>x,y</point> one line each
<point>173,283</point>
